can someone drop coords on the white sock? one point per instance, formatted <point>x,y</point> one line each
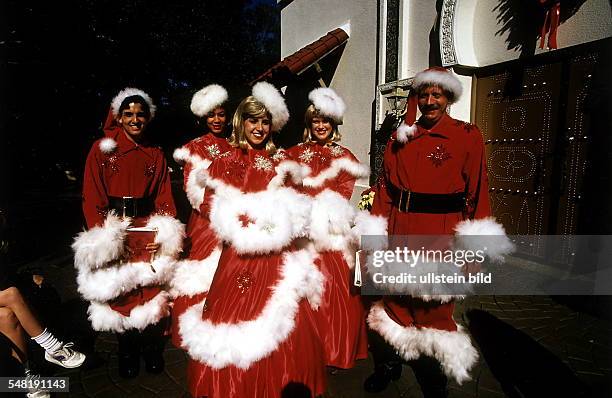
<point>48,341</point>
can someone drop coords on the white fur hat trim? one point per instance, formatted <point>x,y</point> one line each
<point>208,99</point>
<point>269,96</point>
<point>328,103</point>
<point>128,92</point>
<point>444,79</point>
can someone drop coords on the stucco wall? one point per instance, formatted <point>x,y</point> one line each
<point>304,21</point>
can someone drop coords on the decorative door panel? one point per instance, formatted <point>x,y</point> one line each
<point>518,133</point>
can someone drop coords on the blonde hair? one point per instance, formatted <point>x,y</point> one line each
<point>249,107</point>
<point>311,113</point>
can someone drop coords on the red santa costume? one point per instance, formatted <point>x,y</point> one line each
<point>254,336</point>
<point>434,182</point>
<point>193,276</point>
<point>334,170</point>
<point>122,175</point>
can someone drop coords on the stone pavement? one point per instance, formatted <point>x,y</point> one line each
<point>530,347</point>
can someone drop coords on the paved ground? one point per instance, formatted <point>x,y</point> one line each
<point>530,347</point>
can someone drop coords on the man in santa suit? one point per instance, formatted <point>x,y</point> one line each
<point>127,255</point>
<point>434,182</point>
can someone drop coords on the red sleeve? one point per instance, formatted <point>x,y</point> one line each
<point>164,203</point>
<point>383,201</point>
<point>95,199</point>
<point>344,184</point>
<point>475,173</point>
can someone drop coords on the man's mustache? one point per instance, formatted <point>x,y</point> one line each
<point>427,108</point>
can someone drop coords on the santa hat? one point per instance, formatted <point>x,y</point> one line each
<point>207,99</point>
<point>274,102</point>
<point>129,92</point>
<point>434,76</point>
<point>328,103</point>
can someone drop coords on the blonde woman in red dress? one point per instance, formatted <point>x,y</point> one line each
<point>193,276</point>
<point>255,334</point>
<point>334,170</point>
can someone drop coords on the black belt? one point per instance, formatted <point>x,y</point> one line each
<point>434,203</point>
<point>131,207</point>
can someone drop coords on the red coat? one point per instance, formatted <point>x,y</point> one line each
<point>448,158</point>
<point>124,169</point>
<point>341,316</point>
<point>125,295</point>
<point>192,276</point>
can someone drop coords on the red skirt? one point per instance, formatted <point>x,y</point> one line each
<point>341,315</point>
<point>241,288</point>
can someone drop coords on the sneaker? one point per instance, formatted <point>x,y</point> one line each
<point>35,392</point>
<point>66,357</point>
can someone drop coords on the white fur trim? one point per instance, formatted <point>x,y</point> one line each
<point>128,92</point>
<point>277,217</point>
<point>404,132</point>
<point>108,283</point>
<point>221,344</point>
<point>328,103</point>
<point>108,145</point>
<point>181,155</point>
<point>454,350</point>
<point>425,291</point>
<point>375,227</point>
<point>352,167</point>
<point>446,80</point>
<point>483,233</point>
<point>101,244</point>
<point>331,218</point>
<point>104,319</point>
<point>170,234</point>
<point>288,168</point>
<point>208,99</point>
<point>192,277</point>
<point>274,102</point>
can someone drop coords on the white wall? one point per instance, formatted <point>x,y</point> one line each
<point>304,21</point>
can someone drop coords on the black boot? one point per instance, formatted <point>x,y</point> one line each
<point>153,344</point>
<point>431,378</point>
<point>129,354</point>
<point>382,376</point>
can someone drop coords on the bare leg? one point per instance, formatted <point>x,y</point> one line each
<point>12,299</point>
<point>10,327</point>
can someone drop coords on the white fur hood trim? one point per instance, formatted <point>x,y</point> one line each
<point>220,344</point>
<point>454,350</point>
<point>274,218</point>
<point>108,145</point>
<point>193,277</point>
<point>101,244</point>
<point>328,103</point>
<point>356,169</point>
<point>104,319</point>
<point>485,232</point>
<point>404,132</point>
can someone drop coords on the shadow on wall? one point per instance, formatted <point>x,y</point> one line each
<point>522,21</point>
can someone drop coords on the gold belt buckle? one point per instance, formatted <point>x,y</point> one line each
<point>403,207</point>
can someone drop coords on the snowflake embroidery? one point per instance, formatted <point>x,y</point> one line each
<point>112,162</point>
<point>244,281</point>
<point>279,155</point>
<point>336,151</point>
<point>149,170</point>
<point>262,163</point>
<point>306,155</point>
<point>213,150</point>
<point>439,155</point>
